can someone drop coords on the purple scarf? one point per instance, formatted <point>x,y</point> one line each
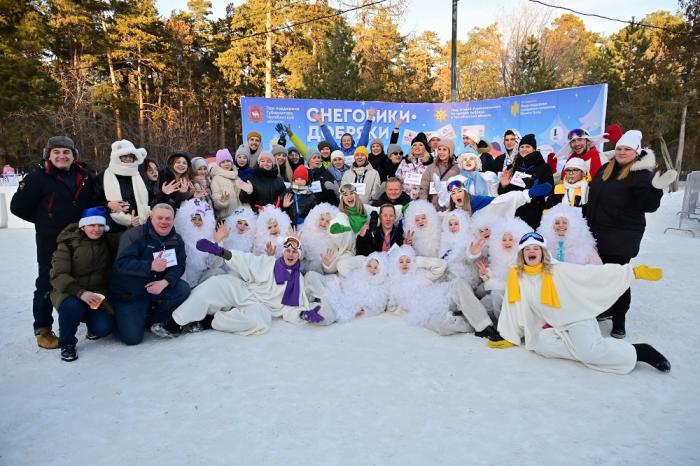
<point>293,289</point>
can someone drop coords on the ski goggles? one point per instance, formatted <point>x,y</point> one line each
<point>291,242</point>
<point>578,133</point>
<point>531,238</point>
<point>454,185</point>
<point>347,189</point>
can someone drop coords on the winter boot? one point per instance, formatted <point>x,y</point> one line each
<point>69,353</point>
<point>47,340</point>
<point>648,354</point>
<point>489,332</point>
<point>167,329</point>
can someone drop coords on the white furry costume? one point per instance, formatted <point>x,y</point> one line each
<point>266,216</point>
<point>244,305</point>
<point>453,247</point>
<point>501,260</point>
<point>342,298</point>
<point>578,245</point>
<point>317,240</point>
<point>574,332</point>
<point>241,242</point>
<point>199,265</point>
<point>426,240</point>
<point>481,220</point>
<point>490,184</point>
<point>430,304</point>
<point>111,184</point>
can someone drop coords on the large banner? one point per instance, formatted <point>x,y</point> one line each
<point>550,115</point>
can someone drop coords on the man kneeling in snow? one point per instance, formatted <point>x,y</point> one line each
<point>267,288</point>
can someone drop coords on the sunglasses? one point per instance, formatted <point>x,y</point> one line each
<point>395,153</point>
<point>534,235</point>
<point>578,133</point>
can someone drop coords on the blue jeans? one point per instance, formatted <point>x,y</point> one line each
<point>42,307</point>
<point>134,316</point>
<point>72,311</point>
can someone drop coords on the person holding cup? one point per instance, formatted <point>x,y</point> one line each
<point>80,270</point>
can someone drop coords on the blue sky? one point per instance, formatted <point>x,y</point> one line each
<point>435,15</point>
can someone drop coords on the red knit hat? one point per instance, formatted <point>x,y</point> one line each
<point>301,172</point>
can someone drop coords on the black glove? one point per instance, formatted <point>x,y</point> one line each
<point>373,220</point>
<point>279,127</point>
<point>282,140</point>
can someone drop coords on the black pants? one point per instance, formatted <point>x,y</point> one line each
<point>42,307</point>
<point>622,305</point>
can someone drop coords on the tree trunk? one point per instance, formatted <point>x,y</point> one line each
<point>222,125</point>
<point>681,146</point>
<point>268,51</point>
<point>139,93</point>
<point>115,87</point>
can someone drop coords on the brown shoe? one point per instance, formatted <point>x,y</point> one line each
<point>47,340</point>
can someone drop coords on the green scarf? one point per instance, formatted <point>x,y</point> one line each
<point>356,220</point>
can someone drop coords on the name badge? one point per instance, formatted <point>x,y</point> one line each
<point>518,179</point>
<point>315,187</point>
<point>169,255</point>
<point>360,187</point>
<point>413,179</point>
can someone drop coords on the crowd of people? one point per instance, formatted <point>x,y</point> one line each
<point>476,240</point>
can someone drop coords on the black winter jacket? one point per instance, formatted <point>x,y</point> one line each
<point>302,203</point>
<point>267,188</point>
<point>374,240</point>
<point>322,175</point>
<point>535,166</point>
<point>52,199</point>
<point>615,209</point>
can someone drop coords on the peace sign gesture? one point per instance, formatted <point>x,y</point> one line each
<point>408,240</point>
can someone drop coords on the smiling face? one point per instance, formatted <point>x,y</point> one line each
<point>434,143</point>
<point>242,226</point>
<point>443,154</point>
<point>324,220</point>
<point>376,148</point>
<point>346,141</point>
<point>197,221</point>
<point>532,254</point>
<point>507,241</point>
<point>162,221</point>
<point>349,198</point>
<point>625,155</point>
<point>61,157</point>
<point>294,157</point>
<point>273,228</point>
<point>202,170</point>
<point>421,221</point>
<point>372,267</point>
<point>227,165</point>
<point>241,161</point>
<point>180,165</point>
<point>280,158</point>
<point>526,149</point>
<point>453,225</point>
<point>387,216</point>
<point>509,141</point>
<point>468,164</point>
<point>561,226</point>
<point>579,145</point>
<point>254,143</point>
<point>418,149</point>
<point>265,163</point>
<point>573,175</point>
<point>393,190</point>
<point>94,231</point>
<point>127,158</point>
<point>325,152</point>
<point>338,163</point>
<point>485,232</point>
<point>404,264</point>
<point>360,159</point>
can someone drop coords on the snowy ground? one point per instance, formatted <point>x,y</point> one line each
<point>372,392</point>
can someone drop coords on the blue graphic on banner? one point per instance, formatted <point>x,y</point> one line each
<point>549,115</point>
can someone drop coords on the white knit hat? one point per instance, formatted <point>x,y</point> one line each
<point>631,139</point>
<point>576,162</point>
<point>124,147</point>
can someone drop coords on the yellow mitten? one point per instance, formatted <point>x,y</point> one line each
<point>644,272</point>
<point>500,344</point>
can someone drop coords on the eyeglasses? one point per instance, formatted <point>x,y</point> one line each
<point>578,133</point>
<point>534,235</point>
<point>396,153</point>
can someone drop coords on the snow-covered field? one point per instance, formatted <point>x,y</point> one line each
<point>371,392</point>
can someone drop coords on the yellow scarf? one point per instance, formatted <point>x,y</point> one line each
<point>548,297</point>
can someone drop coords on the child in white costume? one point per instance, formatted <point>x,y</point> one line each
<point>422,220</point>
<point>414,293</point>
<point>241,223</point>
<point>317,239</point>
<point>271,228</point>
<point>476,182</point>
<point>268,288</point>
<point>456,234</point>
<point>551,305</point>
<point>363,292</point>
<point>568,236</point>
<point>195,220</point>
<point>502,255</point>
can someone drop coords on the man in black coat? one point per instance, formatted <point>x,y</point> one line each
<point>51,197</point>
<point>381,233</point>
<point>393,194</point>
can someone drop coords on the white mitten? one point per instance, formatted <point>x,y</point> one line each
<point>663,181</point>
<point>329,185</point>
<point>442,192</point>
<point>245,186</point>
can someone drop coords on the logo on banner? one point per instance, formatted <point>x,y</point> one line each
<point>515,108</point>
<point>440,115</point>
<point>255,114</point>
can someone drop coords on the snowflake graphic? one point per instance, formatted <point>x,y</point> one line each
<point>441,115</point>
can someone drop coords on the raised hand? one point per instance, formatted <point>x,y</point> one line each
<point>170,187</point>
<point>270,249</point>
<point>398,122</point>
<point>371,113</point>
<point>318,117</point>
<point>477,246</point>
<point>287,200</point>
<point>409,238</point>
<point>222,231</point>
<point>328,257</point>
<point>225,196</point>
<point>505,178</point>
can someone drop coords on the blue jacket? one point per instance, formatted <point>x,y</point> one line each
<point>364,139</point>
<point>132,267</point>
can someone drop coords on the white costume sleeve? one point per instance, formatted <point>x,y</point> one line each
<point>506,204</point>
<point>432,267</point>
<point>252,268</point>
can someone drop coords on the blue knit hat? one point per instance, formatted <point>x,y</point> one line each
<point>94,216</point>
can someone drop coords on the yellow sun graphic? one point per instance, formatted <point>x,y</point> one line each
<point>515,108</point>
<point>441,115</point>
